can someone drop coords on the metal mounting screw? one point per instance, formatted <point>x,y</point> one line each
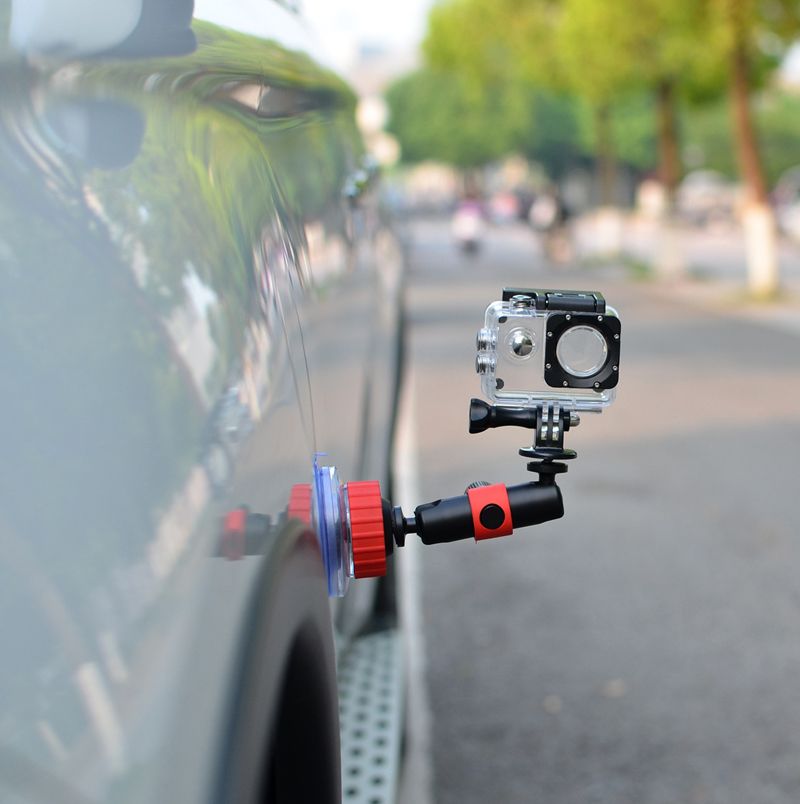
<point>599,318</point>
<point>484,363</point>
<point>547,365</point>
<point>569,317</point>
<point>597,385</point>
<point>565,383</point>
<point>485,339</point>
<point>616,337</point>
<point>616,368</point>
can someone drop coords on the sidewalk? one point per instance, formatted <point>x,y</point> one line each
<point>710,269</point>
<point>728,296</point>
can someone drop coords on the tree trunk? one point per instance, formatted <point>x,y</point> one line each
<point>669,160</point>
<point>744,128</point>
<point>606,158</point>
<point>758,217</point>
<point>669,259</point>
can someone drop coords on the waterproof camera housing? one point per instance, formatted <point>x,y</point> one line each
<point>549,346</point>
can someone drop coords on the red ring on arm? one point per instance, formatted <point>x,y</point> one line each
<point>234,534</point>
<point>483,496</point>
<point>366,528</point>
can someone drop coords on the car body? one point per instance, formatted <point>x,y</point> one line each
<point>192,308</point>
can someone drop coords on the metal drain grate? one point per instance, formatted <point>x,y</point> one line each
<point>371,717</point>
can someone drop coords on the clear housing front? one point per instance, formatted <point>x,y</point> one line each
<point>513,358</point>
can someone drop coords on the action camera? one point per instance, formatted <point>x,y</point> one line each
<point>549,346</point>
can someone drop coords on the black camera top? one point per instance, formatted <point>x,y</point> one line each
<point>578,301</point>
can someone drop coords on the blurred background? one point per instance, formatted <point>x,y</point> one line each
<point>679,118</point>
<point>647,647</point>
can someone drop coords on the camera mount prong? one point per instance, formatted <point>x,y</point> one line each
<point>549,422</point>
<point>548,445</point>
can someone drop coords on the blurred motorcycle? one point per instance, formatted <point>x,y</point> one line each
<point>549,218</point>
<point>468,226</point>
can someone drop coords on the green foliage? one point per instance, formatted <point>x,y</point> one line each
<point>595,44</point>
<point>505,40</point>
<point>707,138</point>
<point>634,132</point>
<point>777,116</point>
<point>593,48</point>
<point>561,59</point>
<point>600,53</point>
<point>707,134</point>
<point>444,116</point>
<point>436,115</point>
<point>556,138</point>
<point>611,49</point>
<point>767,27</point>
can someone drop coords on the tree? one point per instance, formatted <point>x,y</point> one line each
<point>709,134</point>
<point>441,115</point>
<point>507,47</point>
<point>631,46</point>
<point>601,50</point>
<point>596,70</point>
<point>747,36</point>
<point>697,47</point>
<point>594,49</point>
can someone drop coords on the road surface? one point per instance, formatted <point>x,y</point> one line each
<point>646,648</point>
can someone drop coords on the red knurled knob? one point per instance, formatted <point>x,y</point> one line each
<point>366,528</point>
<point>300,503</point>
<point>234,534</point>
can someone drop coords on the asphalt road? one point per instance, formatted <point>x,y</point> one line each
<point>646,648</point>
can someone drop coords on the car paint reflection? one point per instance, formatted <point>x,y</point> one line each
<point>155,275</point>
<point>119,29</point>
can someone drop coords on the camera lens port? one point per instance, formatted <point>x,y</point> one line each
<point>582,351</point>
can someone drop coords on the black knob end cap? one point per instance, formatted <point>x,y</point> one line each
<point>480,416</point>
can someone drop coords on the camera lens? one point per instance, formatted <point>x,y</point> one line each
<point>582,351</point>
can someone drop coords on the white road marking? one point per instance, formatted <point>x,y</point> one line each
<point>416,784</point>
